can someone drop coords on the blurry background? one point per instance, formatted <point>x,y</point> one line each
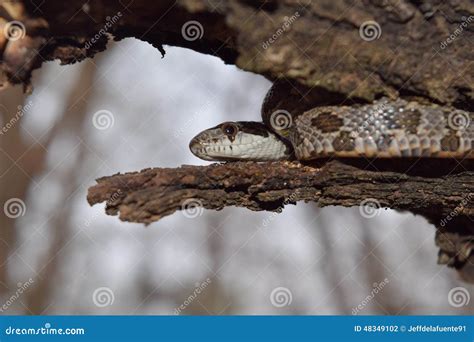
<point>58,255</point>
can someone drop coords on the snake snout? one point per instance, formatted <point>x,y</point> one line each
<point>201,145</point>
<point>196,146</point>
<point>232,141</point>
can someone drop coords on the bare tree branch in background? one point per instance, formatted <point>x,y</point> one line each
<point>75,112</point>
<point>330,264</point>
<point>151,194</point>
<point>15,179</point>
<point>323,48</point>
<point>375,273</point>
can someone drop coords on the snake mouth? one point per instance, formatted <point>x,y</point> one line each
<point>202,150</point>
<point>216,149</point>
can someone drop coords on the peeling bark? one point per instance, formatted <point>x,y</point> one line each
<point>447,201</point>
<point>420,49</point>
<point>316,43</point>
<point>151,194</point>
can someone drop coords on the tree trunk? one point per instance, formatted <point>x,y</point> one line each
<point>345,50</point>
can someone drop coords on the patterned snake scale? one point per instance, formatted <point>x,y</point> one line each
<point>383,129</point>
<point>294,127</point>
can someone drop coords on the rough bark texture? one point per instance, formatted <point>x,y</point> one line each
<point>447,200</point>
<point>320,47</point>
<point>151,194</point>
<point>314,44</point>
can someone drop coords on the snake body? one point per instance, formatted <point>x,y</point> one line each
<point>383,129</point>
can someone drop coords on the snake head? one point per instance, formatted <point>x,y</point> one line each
<point>241,140</point>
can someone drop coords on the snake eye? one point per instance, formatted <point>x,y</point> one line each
<point>230,129</point>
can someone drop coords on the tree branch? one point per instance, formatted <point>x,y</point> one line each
<point>409,52</point>
<point>151,194</point>
<point>320,48</point>
<point>446,200</point>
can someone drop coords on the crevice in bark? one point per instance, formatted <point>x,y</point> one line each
<point>320,50</point>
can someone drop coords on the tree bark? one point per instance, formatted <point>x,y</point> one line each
<point>447,201</point>
<point>316,43</point>
<point>151,194</point>
<point>346,50</point>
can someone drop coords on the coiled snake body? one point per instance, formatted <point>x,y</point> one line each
<point>384,129</point>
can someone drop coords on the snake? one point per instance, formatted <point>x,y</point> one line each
<point>384,128</point>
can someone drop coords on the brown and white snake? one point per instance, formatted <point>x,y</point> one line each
<point>383,129</point>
